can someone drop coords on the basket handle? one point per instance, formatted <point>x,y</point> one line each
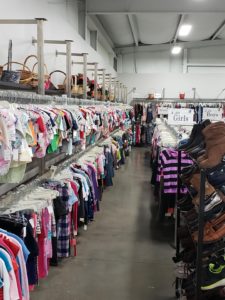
<point>57,71</point>
<point>28,57</point>
<point>17,63</point>
<point>36,65</point>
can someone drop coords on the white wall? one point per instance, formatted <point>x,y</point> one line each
<point>159,69</point>
<point>62,16</point>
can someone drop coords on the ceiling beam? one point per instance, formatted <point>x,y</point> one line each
<point>133,29</point>
<point>218,31</point>
<point>154,6</point>
<point>179,24</point>
<point>164,47</point>
<point>140,12</point>
<point>103,36</point>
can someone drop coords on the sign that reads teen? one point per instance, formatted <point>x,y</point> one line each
<point>213,114</point>
<point>180,116</point>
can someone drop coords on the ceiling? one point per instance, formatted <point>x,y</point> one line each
<point>139,23</point>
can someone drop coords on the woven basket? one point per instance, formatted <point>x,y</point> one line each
<point>26,73</point>
<point>34,80</point>
<point>12,76</point>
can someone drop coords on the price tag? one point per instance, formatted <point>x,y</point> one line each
<point>7,155</point>
<point>213,114</point>
<point>180,116</point>
<point>162,111</point>
<point>15,154</point>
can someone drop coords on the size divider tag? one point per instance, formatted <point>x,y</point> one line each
<point>180,116</point>
<point>213,114</point>
<point>162,110</point>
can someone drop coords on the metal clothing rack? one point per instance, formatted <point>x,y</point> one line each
<point>33,98</point>
<point>200,236</point>
<point>178,100</point>
<point>177,219</point>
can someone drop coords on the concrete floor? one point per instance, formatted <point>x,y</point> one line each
<point>125,254</point>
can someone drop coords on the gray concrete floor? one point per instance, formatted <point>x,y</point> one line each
<point>125,254</point>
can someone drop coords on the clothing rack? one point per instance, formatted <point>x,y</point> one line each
<point>177,100</point>
<point>27,188</point>
<point>39,166</point>
<point>32,98</point>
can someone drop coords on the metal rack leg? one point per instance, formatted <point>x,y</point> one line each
<point>200,237</point>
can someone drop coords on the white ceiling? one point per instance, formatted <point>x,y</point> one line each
<point>130,23</point>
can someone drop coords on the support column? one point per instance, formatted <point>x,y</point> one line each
<point>110,86</point>
<point>82,18</point>
<point>68,68</point>
<point>96,80</point>
<point>85,75</point>
<point>40,56</point>
<point>103,84</point>
<point>126,100</point>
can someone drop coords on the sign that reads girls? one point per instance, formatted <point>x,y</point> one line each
<point>180,116</point>
<point>212,114</point>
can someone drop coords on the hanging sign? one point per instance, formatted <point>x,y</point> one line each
<point>180,116</point>
<point>162,110</point>
<point>213,114</point>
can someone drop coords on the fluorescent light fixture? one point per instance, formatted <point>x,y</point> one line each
<point>185,29</point>
<point>176,50</point>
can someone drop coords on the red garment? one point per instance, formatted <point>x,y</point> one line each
<point>42,257</point>
<point>4,242</point>
<point>41,124</point>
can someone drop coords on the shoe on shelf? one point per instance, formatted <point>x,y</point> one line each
<point>215,150</point>
<point>214,230</point>
<point>196,136</point>
<point>214,275</point>
<point>216,176</point>
<point>214,200</point>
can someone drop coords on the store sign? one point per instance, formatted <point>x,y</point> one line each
<point>162,111</point>
<point>180,116</point>
<point>213,114</point>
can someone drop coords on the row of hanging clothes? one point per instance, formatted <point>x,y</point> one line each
<point>40,226</point>
<point>33,131</point>
<point>164,164</point>
<point>143,124</point>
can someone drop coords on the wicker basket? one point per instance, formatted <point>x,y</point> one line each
<point>12,76</point>
<point>34,80</point>
<point>26,73</point>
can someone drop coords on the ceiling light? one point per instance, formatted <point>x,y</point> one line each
<point>185,30</point>
<point>176,50</point>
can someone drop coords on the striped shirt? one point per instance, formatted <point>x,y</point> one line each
<point>168,169</point>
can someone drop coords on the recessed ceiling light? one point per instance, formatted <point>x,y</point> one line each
<point>176,50</point>
<point>185,29</point>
